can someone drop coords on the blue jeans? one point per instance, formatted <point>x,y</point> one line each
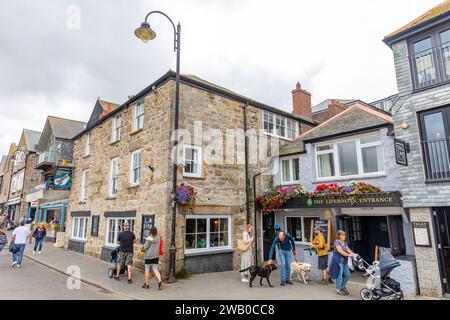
<point>1,247</point>
<point>285,265</point>
<point>38,244</point>
<point>17,257</point>
<point>343,277</point>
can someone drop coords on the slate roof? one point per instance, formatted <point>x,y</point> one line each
<point>31,139</point>
<point>65,128</point>
<point>435,12</point>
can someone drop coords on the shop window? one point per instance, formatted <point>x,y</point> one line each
<point>300,228</point>
<point>207,233</point>
<point>79,228</point>
<point>114,226</point>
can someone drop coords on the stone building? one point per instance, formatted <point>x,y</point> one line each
<point>48,195</point>
<point>123,171</point>
<point>6,170</point>
<point>422,121</point>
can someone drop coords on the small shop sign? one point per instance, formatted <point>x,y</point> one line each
<point>401,152</point>
<point>63,179</point>
<point>148,221</point>
<point>422,235</point>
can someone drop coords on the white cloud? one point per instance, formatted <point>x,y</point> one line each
<point>258,48</point>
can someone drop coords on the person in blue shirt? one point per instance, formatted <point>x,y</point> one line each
<point>286,246</point>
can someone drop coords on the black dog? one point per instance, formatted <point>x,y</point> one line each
<point>263,272</point>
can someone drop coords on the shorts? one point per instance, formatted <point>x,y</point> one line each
<point>151,263</point>
<point>323,262</point>
<point>125,258</point>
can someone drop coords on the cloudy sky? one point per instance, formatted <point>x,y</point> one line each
<point>58,56</point>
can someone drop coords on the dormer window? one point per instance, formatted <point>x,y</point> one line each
<point>430,58</point>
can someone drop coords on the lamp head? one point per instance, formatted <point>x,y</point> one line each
<point>145,33</point>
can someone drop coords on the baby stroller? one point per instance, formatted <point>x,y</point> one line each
<point>112,269</point>
<point>384,286</point>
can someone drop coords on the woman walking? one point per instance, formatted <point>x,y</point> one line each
<point>39,235</point>
<point>152,250</point>
<point>247,255</point>
<point>3,239</point>
<point>339,269</point>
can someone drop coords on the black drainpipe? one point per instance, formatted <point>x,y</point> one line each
<point>247,200</point>
<point>254,214</point>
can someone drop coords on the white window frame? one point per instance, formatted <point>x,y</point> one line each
<point>303,227</point>
<point>116,129</point>
<point>137,125</point>
<point>199,151</point>
<point>19,158</point>
<point>272,119</point>
<point>359,148</point>
<point>132,168</point>
<point>84,186</point>
<point>77,233</point>
<point>208,234</point>
<point>115,167</point>
<point>291,166</point>
<point>131,221</point>
<point>87,146</point>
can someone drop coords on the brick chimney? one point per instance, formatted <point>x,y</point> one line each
<point>301,102</point>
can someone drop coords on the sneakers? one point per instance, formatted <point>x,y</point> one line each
<point>330,280</point>
<point>19,266</point>
<point>289,282</point>
<point>245,280</point>
<point>39,252</point>
<point>34,252</point>
<point>14,263</point>
<point>130,281</point>
<point>345,291</point>
<point>341,292</point>
<point>282,284</point>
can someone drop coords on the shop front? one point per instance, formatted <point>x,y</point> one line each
<point>54,215</point>
<point>13,209</point>
<point>372,222</point>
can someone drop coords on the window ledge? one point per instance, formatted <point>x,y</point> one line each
<point>111,197</point>
<point>82,202</point>
<point>113,143</point>
<point>135,132</point>
<point>278,137</point>
<point>207,252</point>
<point>78,240</point>
<point>194,177</point>
<point>86,156</point>
<point>334,179</point>
<point>133,186</point>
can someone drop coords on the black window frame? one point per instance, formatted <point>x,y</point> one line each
<point>431,177</point>
<point>438,60</point>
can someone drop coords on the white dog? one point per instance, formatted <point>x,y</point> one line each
<point>300,269</point>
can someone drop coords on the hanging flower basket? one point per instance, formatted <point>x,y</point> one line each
<point>186,196</point>
<point>275,197</point>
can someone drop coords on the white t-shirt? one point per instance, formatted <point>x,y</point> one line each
<point>21,234</point>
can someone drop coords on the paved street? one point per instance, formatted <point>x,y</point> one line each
<point>35,281</point>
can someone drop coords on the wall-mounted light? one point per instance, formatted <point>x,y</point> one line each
<point>404,126</point>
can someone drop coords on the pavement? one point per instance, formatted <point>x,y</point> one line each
<point>55,267</point>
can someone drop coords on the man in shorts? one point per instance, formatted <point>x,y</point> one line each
<point>320,245</point>
<point>126,240</point>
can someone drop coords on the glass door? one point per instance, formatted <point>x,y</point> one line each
<point>435,143</point>
<point>442,228</point>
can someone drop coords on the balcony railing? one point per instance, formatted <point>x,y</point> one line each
<point>436,159</point>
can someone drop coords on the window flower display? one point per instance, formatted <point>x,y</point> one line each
<point>186,196</point>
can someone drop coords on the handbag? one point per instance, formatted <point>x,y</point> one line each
<point>242,246</point>
<point>161,247</point>
<point>13,248</point>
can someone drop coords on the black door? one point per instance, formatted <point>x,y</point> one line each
<point>268,234</point>
<point>442,230</point>
<point>396,235</point>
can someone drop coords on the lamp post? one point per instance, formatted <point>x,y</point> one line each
<point>145,33</point>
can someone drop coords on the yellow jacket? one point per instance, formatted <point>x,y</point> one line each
<point>320,245</point>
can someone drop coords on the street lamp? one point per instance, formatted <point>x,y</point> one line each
<point>145,33</point>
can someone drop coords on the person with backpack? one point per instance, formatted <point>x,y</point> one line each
<point>3,239</point>
<point>152,249</point>
<point>286,247</point>
<point>39,235</point>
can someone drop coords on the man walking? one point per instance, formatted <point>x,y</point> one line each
<point>286,246</point>
<point>320,245</point>
<point>20,236</point>
<point>126,240</point>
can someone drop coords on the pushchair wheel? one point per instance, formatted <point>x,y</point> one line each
<point>366,294</point>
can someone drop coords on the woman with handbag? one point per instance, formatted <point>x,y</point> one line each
<point>246,247</point>
<point>152,249</point>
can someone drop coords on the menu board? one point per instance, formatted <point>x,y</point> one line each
<point>95,224</point>
<point>148,221</point>
<point>421,233</point>
<point>325,225</point>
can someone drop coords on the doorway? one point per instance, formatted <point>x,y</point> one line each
<point>268,221</point>
<point>442,229</point>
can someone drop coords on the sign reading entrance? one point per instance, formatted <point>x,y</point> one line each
<point>401,152</point>
<point>422,235</point>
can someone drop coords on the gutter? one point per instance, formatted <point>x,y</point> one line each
<point>247,200</point>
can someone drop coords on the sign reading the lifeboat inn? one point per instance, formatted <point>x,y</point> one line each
<point>386,199</point>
